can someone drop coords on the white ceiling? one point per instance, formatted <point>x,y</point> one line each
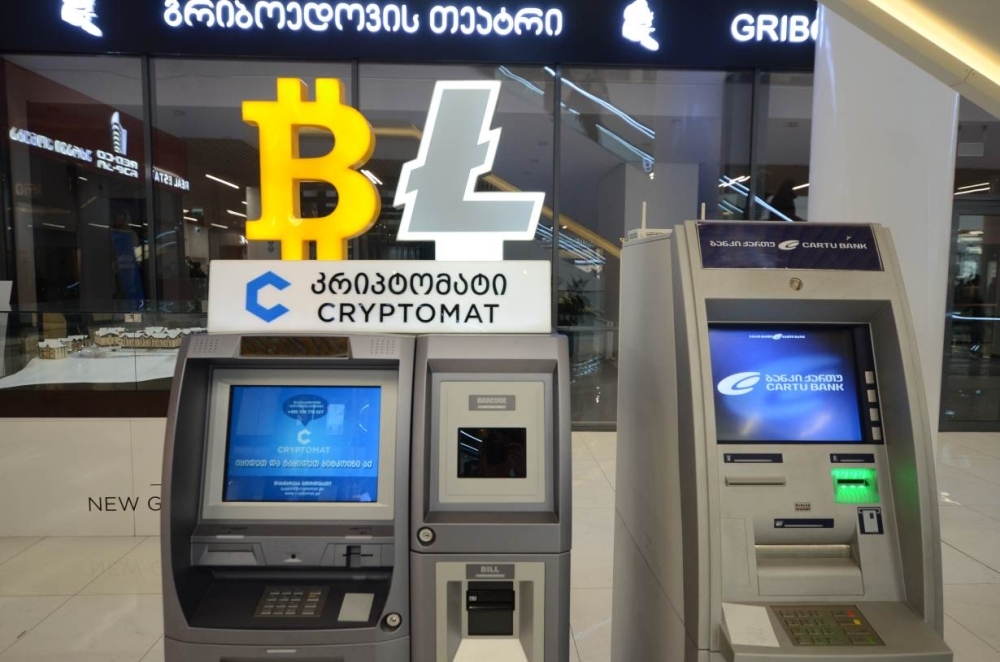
<point>954,40</point>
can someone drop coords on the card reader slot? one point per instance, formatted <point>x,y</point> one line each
<point>755,481</point>
<point>228,556</point>
<point>803,551</point>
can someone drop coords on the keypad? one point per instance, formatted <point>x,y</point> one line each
<point>292,601</point>
<point>826,625</point>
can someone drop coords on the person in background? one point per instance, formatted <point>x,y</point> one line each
<point>784,202</point>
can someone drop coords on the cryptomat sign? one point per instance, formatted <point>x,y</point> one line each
<point>482,293</point>
<point>710,34</point>
<point>388,296</point>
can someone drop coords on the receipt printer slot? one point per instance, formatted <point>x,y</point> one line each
<point>490,606</point>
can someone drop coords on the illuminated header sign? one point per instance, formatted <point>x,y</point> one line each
<point>800,246</point>
<point>708,34</point>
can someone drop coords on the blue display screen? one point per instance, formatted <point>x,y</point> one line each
<point>303,443</point>
<point>785,385</point>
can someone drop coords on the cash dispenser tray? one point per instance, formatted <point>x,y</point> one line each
<point>292,601</point>
<point>805,570</point>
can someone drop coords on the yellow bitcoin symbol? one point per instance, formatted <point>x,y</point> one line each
<point>282,171</point>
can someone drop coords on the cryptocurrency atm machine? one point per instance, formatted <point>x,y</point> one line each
<point>285,492</point>
<point>295,528</point>
<point>776,495</point>
<point>490,508</point>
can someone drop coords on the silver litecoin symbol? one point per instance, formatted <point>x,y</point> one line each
<point>438,189</point>
<point>80,13</point>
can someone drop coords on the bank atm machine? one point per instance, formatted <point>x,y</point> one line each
<point>776,492</point>
<point>490,511</point>
<point>285,500</point>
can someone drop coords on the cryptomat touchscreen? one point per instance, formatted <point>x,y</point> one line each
<point>300,445</point>
<point>303,443</point>
<point>786,384</point>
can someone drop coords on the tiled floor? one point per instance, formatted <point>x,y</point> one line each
<point>97,599</point>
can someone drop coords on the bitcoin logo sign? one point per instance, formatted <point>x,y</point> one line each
<point>283,171</point>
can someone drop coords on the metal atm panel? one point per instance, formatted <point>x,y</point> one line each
<point>490,519</point>
<point>832,539</point>
<point>284,506</point>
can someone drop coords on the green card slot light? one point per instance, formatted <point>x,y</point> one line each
<point>855,485</point>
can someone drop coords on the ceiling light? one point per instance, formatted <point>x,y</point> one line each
<point>235,213</point>
<point>83,179</point>
<point>97,225</point>
<point>975,190</point>
<point>189,218</point>
<point>800,187</point>
<point>54,225</point>
<point>222,181</point>
<point>371,177</point>
<point>962,188</point>
<point>223,227</point>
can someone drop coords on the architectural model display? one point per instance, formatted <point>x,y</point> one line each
<point>114,338</point>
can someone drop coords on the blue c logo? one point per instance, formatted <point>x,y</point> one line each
<point>270,279</point>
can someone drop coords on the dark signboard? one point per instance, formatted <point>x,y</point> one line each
<point>788,246</point>
<point>708,34</point>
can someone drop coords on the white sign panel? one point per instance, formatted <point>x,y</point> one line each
<point>379,297</point>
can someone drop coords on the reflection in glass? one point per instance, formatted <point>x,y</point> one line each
<point>782,135</point>
<point>79,226</point>
<point>971,393</point>
<point>199,104</point>
<point>640,148</point>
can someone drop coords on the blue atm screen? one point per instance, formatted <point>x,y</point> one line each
<point>785,385</point>
<point>303,443</point>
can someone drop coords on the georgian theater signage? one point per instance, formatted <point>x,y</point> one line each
<point>708,34</point>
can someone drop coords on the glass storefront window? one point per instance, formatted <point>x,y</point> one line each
<point>971,393</point>
<point>91,244</point>
<point>782,138</point>
<point>199,106</point>
<point>78,226</point>
<point>638,147</point>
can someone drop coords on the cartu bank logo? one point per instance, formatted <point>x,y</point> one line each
<point>254,288</point>
<point>739,384</point>
<point>777,336</point>
<point>789,245</point>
